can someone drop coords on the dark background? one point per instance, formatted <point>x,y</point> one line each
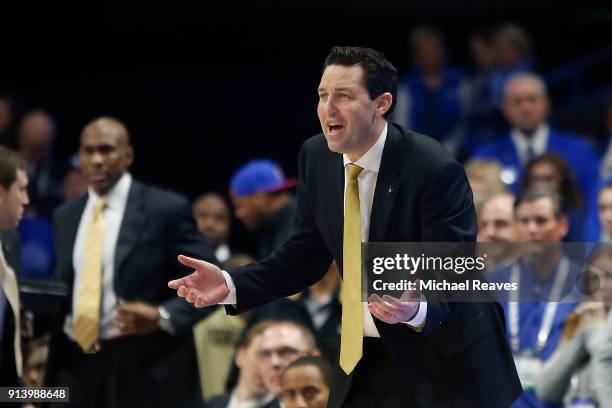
<point>204,87</point>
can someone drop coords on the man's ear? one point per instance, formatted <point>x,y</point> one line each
<point>3,193</point>
<point>129,156</point>
<point>239,358</point>
<point>383,103</point>
<point>564,226</point>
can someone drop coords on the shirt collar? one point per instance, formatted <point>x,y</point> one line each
<point>370,161</point>
<point>538,141</point>
<point>117,194</point>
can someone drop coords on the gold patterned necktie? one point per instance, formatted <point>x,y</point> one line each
<point>351,337</point>
<point>87,322</point>
<point>8,281</point>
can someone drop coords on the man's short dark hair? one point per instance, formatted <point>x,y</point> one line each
<point>379,74</point>
<point>322,365</point>
<point>531,195</point>
<point>10,162</point>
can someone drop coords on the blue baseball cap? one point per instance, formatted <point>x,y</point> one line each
<point>260,175</point>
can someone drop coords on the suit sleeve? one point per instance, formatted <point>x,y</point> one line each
<point>298,263</point>
<point>447,215</point>
<point>184,238</point>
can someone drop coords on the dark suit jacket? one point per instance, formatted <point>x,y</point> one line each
<point>579,155</point>
<point>157,226</point>
<point>8,372</point>
<point>461,358</point>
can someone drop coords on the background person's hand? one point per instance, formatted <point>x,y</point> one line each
<point>136,318</point>
<point>204,287</point>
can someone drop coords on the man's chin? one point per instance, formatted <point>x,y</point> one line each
<point>334,146</point>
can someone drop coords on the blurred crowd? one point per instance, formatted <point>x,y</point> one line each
<point>531,181</point>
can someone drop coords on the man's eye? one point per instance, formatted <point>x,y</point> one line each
<point>344,96</point>
<point>310,393</point>
<point>106,149</point>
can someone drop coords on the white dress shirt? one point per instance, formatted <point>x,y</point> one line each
<point>370,162</point>
<point>538,142</point>
<point>112,215</point>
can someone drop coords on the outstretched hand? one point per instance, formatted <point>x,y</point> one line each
<point>391,310</point>
<point>204,287</point>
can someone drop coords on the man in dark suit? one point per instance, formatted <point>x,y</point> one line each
<point>417,352</point>
<point>527,107</point>
<point>13,198</point>
<point>126,340</point>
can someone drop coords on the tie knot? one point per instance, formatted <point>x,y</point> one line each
<point>354,171</point>
<point>100,205</point>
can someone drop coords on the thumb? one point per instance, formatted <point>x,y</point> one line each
<point>411,295</point>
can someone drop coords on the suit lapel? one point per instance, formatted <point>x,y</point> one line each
<point>133,217</point>
<point>335,176</point>
<point>386,185</point>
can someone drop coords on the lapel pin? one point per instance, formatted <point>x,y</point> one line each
<point>390,189</point>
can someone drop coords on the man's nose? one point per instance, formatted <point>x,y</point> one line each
<point>330,106</point>
<point>490,231</point>
<point>301,401</point>
<point>532,227</point>
<point>97,158</point>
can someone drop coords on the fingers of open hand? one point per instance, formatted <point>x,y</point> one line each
<point>391,310</point>
<point>383,310</point>
<point>190,262</point>
<point>182,291</point>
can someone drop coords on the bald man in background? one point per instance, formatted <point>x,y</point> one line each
<point>125,339</point>
<point>496,219</point>
<point>35,139</point>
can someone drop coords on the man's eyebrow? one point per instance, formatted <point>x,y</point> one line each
<point>98,146</point>
<point>339,89</point>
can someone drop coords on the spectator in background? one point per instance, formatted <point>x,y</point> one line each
<point>216,340</point>
<point>282,343</point>
<point>212,214</point>
<point>75,184</point>
<point>484,177</point>
<point>428,99</point>
<point>37,352</point>
<point>35,142</point>
<point>13,199</point>
<point>306,383</point>
<point>250,390</point>
<point>605,212</point>
<point>527,106</point>
<point>122,339</point>
<point>512,55</point>
<point>574,375</point>
<point>606,162</point>
<point>483,119</point>
<point>322,300</point>
<point>262,203</point>
<point>544,275</point>
<point>8,121</point>
<point>496,224</point>
<point>550,171</point>
<point>496,219</point>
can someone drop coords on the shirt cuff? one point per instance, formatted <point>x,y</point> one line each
<point>418,321</point>
<point>231,297</point>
